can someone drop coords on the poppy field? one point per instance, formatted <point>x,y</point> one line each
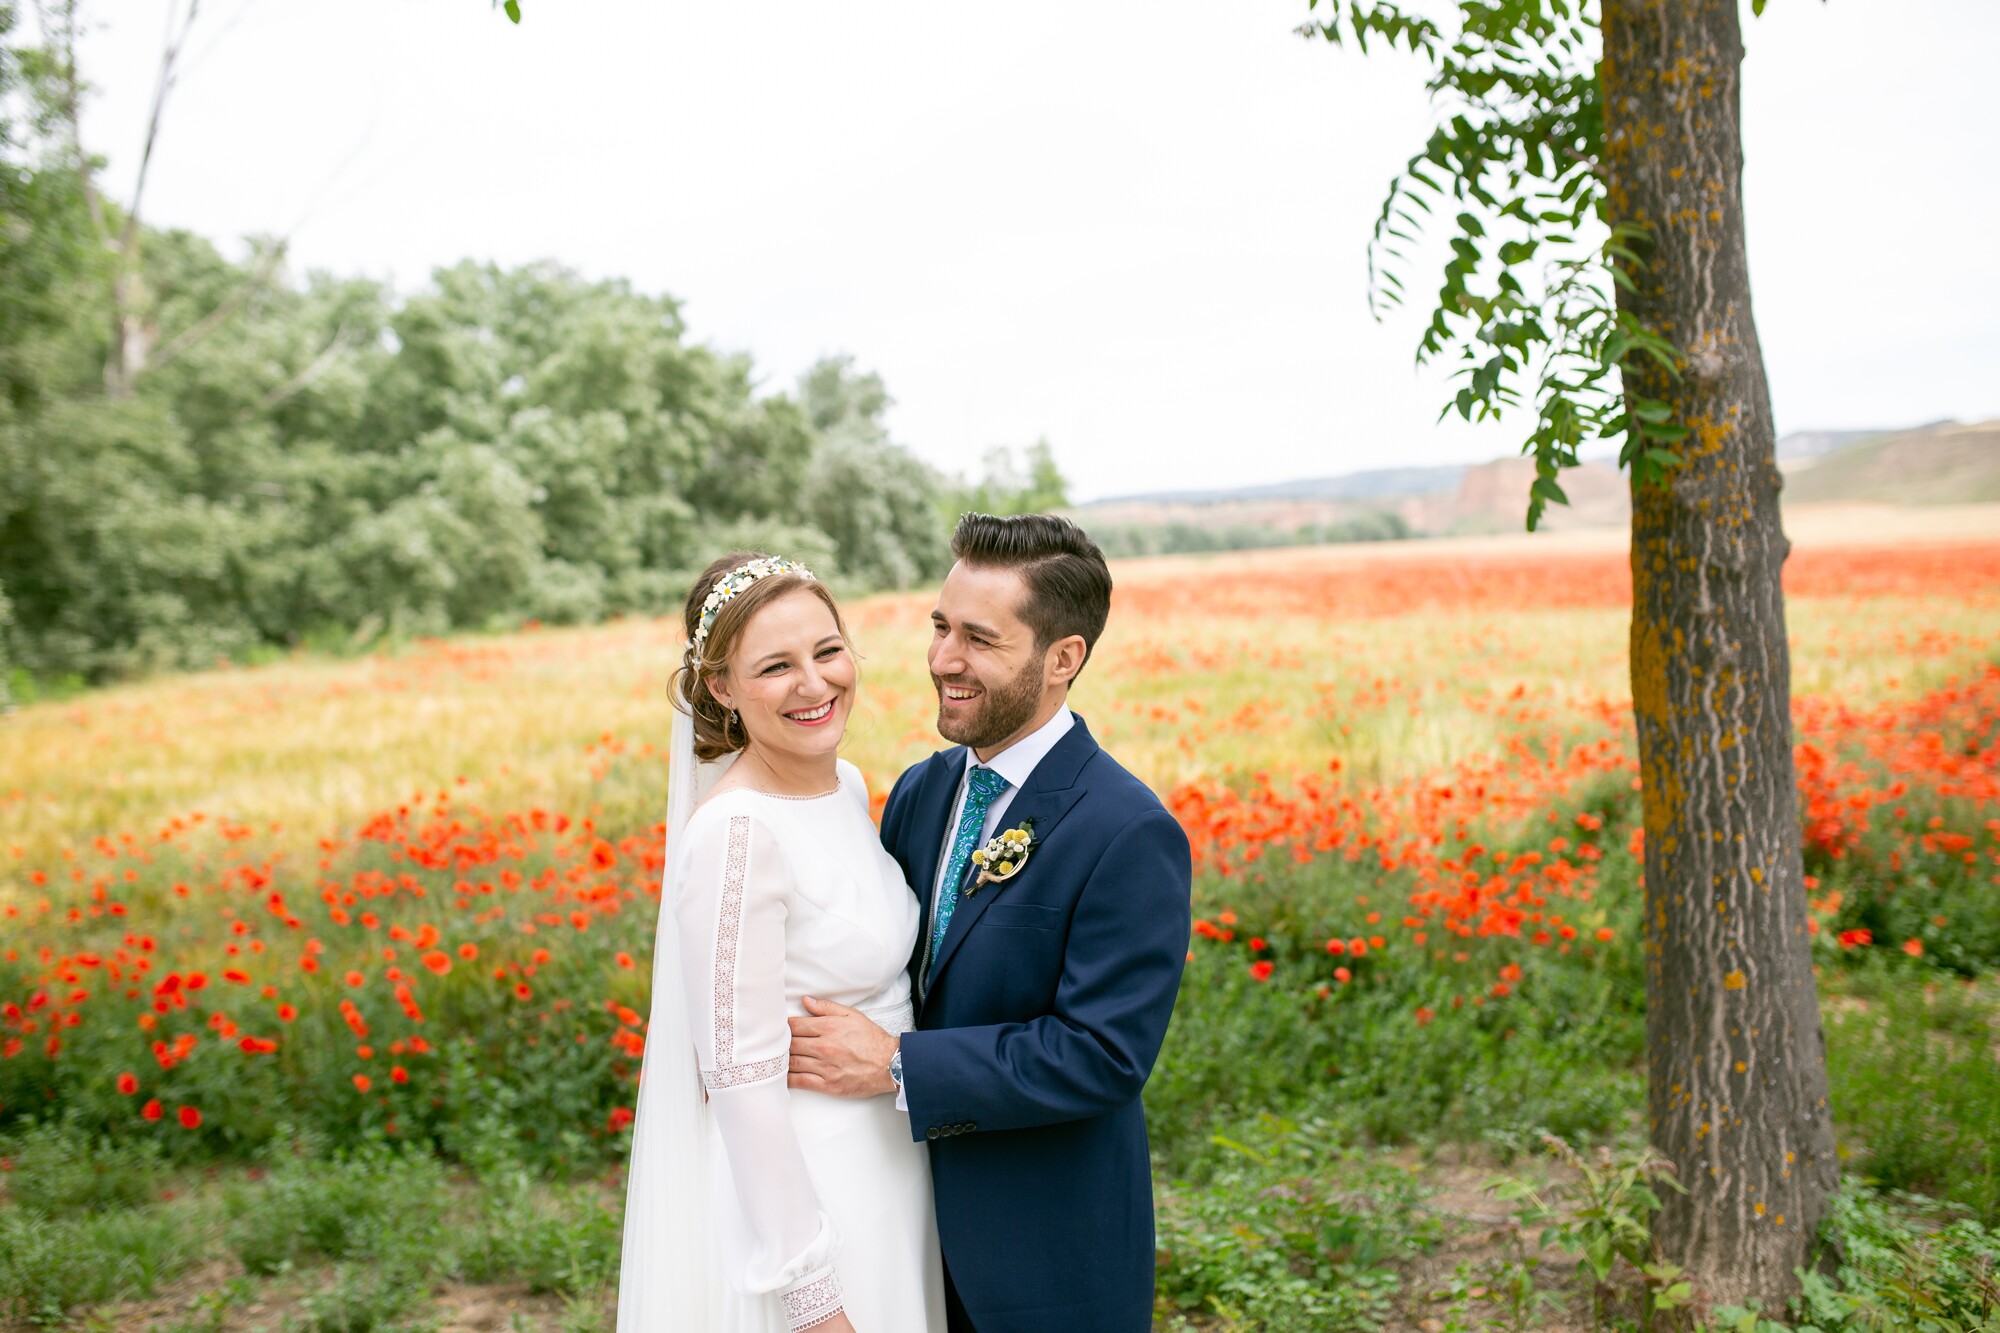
<point>405,902</point>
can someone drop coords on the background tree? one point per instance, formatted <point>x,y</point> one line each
<point>1028,484</point>
<point>878,502</point>
<point>206,457</point>
<point>325,461</point>
<point>1598,274</point>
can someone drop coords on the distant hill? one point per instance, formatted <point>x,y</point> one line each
<point>1493,497</point>
<point>1948,463</point>
<point>1373,484</point>
<point>1943,462</point>
<point>1819,443</point>
<point>1395,482</point>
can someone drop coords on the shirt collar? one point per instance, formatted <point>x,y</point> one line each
<point>1018,761</point>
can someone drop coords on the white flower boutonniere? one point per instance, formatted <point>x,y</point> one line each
<point>1003,855</point>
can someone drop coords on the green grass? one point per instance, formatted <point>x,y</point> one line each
<point>369,1231</point>
<point>1561,1059</point>
<point>1292,1230</point>
<point>1916,1082</point>
<point>52,1263</point>
<point>59,1170</point>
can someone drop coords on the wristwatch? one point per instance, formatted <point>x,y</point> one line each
<point>896,1068</point>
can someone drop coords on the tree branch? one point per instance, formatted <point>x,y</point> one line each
<point>267,265</point>
<point>335,348</point>
<point>169,55</point>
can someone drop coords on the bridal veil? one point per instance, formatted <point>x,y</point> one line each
<point>666,1278</point>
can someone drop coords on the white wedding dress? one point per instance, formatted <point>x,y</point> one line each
<point>751,1207</point>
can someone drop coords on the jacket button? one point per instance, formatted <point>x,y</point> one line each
<point>931,1133</point>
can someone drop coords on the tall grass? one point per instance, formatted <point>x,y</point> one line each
<point>315,745</point>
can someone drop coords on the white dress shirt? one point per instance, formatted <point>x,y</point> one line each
<point>1016,764</point>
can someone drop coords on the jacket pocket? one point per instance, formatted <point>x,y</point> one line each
<point>1022,916</point>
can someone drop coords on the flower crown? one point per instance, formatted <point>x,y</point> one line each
<point>731,584</point>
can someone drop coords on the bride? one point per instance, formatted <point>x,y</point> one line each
<point>751,1207</point>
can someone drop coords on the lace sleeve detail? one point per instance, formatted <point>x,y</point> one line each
<point>731,910</point>
<point>814,1303</point>
<point>726,1073</point>
<point>733,1076</point>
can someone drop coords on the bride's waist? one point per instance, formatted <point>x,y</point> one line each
<point>892,1015</point>
<point>889,1010</point>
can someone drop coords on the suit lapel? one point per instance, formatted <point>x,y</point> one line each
<point>1051,791</point>
<point>925,847</point>
<point>933,817</point>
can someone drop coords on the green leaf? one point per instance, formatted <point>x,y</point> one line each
<point>1757,8</point>
<point>1223,1141</point>
<point>513,8</point>
<point>1545,488</point>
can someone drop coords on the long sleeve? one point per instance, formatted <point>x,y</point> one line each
<point>731,915</point>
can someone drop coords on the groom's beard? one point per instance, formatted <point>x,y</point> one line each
<point>1002,711</point>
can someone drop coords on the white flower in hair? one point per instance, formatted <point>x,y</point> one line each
<point>734,582</point>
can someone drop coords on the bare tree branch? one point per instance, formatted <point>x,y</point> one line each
<point>169,54</point>
<point>130,336</point>
<point>260,278</point>
<point>336,348</point>
<point>131,353</point>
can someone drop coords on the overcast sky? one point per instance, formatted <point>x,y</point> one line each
<point>1135,229</point>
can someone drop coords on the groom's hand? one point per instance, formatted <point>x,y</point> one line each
<point>840,1051</point>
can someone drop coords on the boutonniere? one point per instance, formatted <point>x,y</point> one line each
<point>1003,855</point>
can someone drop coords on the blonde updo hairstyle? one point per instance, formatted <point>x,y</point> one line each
<point>717,731</point>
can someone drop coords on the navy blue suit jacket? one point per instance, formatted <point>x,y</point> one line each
<point>1046,1008</point>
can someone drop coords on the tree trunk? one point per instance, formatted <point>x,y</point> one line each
<point>1736,1063</point>
<point>131,337</point>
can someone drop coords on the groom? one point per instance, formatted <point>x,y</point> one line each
<point>1043,995</point>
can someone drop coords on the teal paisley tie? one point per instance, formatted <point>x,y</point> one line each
<point>982,787</point>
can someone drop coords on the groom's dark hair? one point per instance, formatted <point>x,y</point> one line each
<point>1069,585</point>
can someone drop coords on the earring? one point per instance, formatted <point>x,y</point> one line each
<point>732,720</point>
